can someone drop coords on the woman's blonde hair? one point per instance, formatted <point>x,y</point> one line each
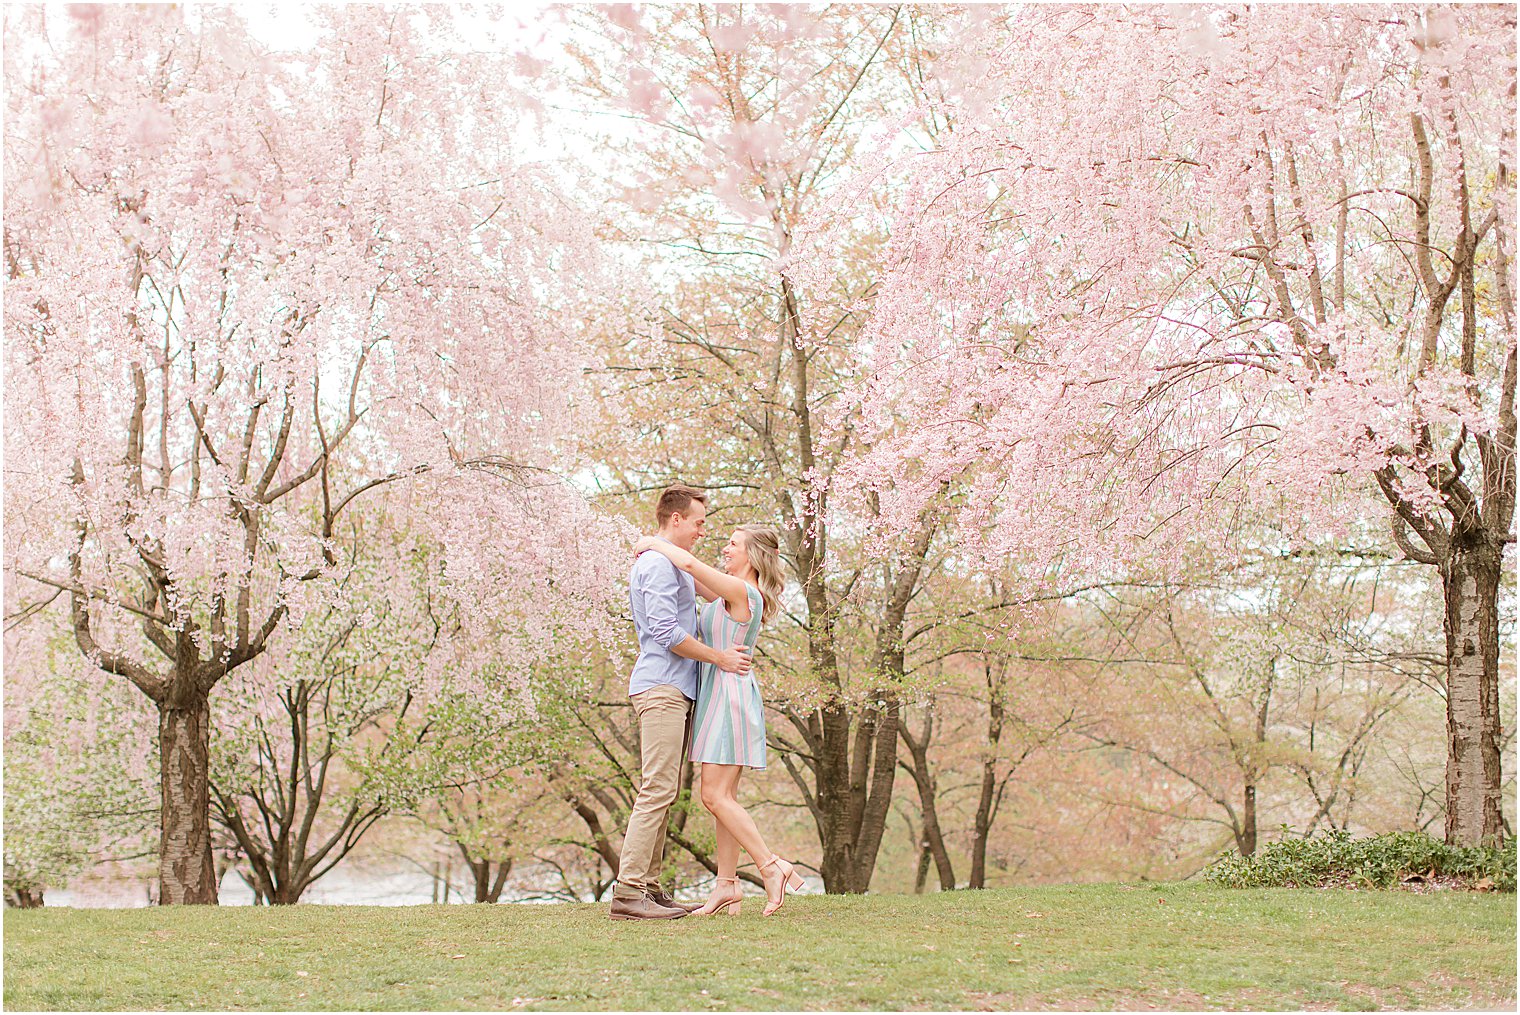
<point>764,549</point>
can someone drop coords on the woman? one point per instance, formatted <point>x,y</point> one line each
<point>728,726</point>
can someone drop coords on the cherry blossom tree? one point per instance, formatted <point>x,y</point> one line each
<point>745,118</point>
<point>1173,265</point>
<point>245,290</point>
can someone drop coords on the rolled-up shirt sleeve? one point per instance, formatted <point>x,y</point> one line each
<point>660,588</point>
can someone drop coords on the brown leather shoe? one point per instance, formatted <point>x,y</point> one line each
<point>643,908</point>
<point>664,899</point>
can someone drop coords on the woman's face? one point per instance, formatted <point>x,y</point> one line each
<point>735,555</point>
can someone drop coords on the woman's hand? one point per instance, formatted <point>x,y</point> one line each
<point>682,559</point>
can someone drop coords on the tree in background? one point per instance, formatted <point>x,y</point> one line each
<point>745,118</point>
<point>1240,261</point>
<point>243,291</point>
<point>979,701</point>
<point>473,763</point>
<point>1259,694</point>
<point>291,744</point>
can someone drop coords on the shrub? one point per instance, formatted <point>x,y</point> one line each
<point>1381,861</point>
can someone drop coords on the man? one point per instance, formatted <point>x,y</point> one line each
<point>662,687</point>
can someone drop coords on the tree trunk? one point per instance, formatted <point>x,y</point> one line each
<point>986,800</point>
<point>855,780</point>
<point>835,834</point>
<point>288,893</point>
<point>1470,576</point>
<point>1245,839</point>
<point>855,790</point>
<point>255,884</point>
<point>600,841</point>
<point>442,874</point>
<point>1254,765</point>
<point>921,878</point>
<point>186,871</point>
<point>935,839</point>
<point>488,882</point>
<point>841,782</point>
<point>24,898</point>
<point>932,839</point>
<point>273,814</point>
<point>980,826</point>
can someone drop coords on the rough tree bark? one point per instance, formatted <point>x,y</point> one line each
<point>186,870</point>
<point>1470,576</point>
<point>1466,540</point>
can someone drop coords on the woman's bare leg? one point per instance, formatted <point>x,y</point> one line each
<point>727,852</point>
<point>720,788</point>
<point>720,795</point>
<point>727,855</point>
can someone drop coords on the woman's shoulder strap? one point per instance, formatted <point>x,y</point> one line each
<point>756,607</point>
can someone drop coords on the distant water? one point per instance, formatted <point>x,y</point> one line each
<point>357,887</point>
<point>352,886</point>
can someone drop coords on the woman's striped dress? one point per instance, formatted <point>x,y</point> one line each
<point>728,727</point>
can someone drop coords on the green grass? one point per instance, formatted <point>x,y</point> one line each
<point>1074,946</point>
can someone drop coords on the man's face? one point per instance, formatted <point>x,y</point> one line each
<point>686,527</point>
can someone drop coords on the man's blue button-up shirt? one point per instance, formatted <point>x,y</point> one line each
<point>664,602</point>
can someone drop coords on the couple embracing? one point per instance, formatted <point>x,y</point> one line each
<point>692,687</point>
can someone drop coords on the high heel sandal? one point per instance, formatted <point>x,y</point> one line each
<point>729,905</point>
<point>791,881</point>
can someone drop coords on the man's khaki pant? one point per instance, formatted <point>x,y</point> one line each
<point>663,713</point>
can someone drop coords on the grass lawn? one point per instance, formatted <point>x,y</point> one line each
<point>1071,946</point>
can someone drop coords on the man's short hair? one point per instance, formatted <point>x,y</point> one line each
<point>676,499</point>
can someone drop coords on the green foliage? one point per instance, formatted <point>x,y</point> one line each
<point>1381,861</point>
<point>80,777</point>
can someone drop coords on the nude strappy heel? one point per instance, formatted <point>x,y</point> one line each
<point>791,881</point>
<point>729,906</point>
